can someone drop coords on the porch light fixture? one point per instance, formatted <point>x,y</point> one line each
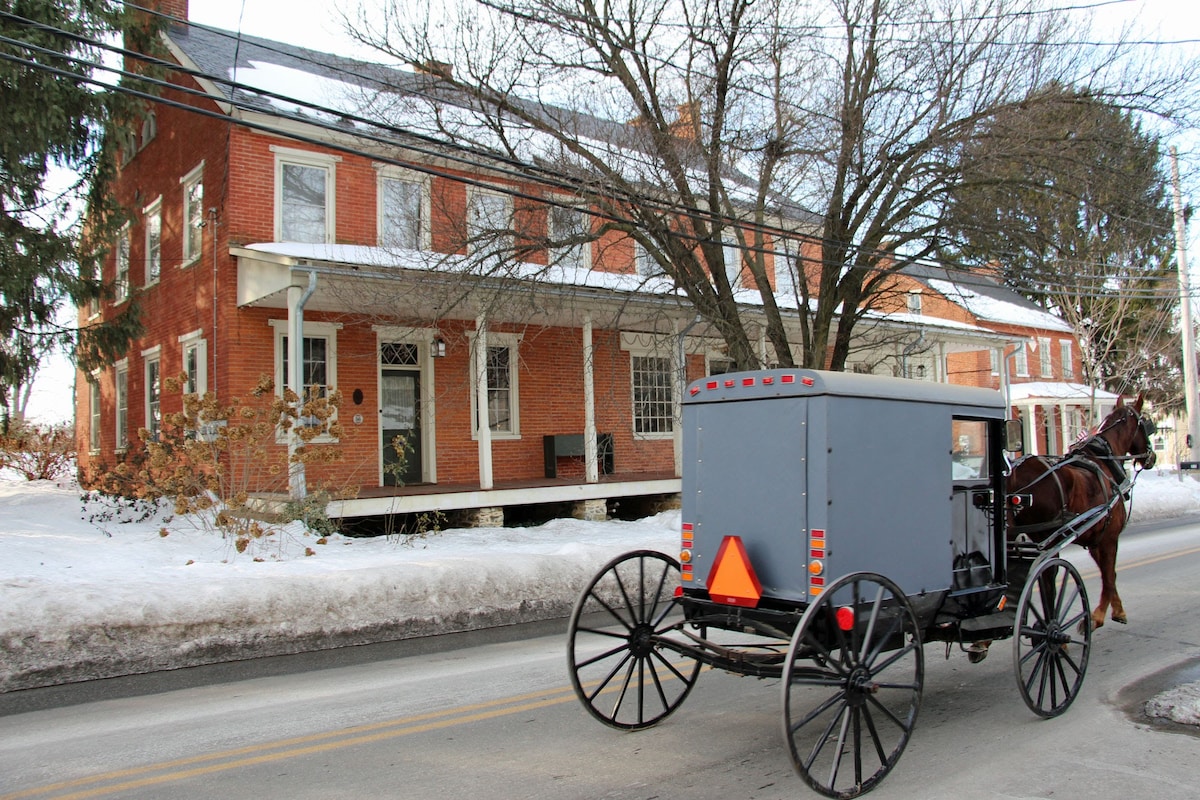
<point>437,348</point>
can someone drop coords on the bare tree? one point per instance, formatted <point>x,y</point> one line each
<point>710,132</point>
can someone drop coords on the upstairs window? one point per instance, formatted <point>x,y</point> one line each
<point>1021,361</point>
<point>304,197</point>
<point>569,229</point>
<point>195,357</point>
<point>193,214</point>
<point>153,214</point>
<point>403,212</point>
<point>732,252</point>
<point>489,222</point>
<point>1068,360</point>
<point>1044,363</point>
<point>645,264</point>
<point>914,303</point>
<point>121,286</point>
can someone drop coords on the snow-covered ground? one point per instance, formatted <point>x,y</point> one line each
<point>84,595</point>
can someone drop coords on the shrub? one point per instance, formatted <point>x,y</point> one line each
<point>39,452</point>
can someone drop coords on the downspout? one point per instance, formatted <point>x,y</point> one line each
<point>298,297</point>
<point>590,455</point>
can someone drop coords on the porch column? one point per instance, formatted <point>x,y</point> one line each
<point>481,403</point>
<point>591,470</point>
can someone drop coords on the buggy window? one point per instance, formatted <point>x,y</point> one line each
<point>970,449</point>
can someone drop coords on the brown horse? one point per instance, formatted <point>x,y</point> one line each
<point>1090,481</point>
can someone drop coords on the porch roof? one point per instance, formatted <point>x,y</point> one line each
<point>1057,393</point>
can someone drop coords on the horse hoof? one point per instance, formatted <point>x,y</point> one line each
<point>977,653</point>
<point>1122,620</point>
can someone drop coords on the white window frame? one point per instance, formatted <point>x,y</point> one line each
<point>644,265</point>
<point>193,215</point>
<point>642,345</point>
<point>1020,358</point>
<point>731,249</point>
<point>153,224</point>
<point>121,284</point>
<point>577,256</point>
<point>512,342</point>
<point>1045,361</point>
<point>94,415</point>
<point>121,404</point>
<point>424,240</point>
<point>913,303</point>
<point>1067,351</point>
<point>500,245</point>
<point>152,390</point>
<point>194,341</point>
<point>289,156</point>
<point>786,272</point>
<point>312,330</point>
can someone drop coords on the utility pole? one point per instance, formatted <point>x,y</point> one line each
<point>1185,308</point>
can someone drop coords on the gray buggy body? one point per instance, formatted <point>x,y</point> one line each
<point>857,472</point>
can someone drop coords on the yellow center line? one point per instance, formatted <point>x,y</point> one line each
<point>395,727</point>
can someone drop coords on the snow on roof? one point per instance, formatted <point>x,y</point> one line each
<point>994,303</point>
<point>1051,390</point>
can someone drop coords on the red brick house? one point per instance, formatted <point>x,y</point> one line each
<point>265,241</point>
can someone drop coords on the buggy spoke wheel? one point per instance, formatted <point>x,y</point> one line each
<point>852,685</point>
<point>1050,654</point>
<point>623,646</point>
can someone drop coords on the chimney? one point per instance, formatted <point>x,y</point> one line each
<point>172,8</point>
<point>438,69</point>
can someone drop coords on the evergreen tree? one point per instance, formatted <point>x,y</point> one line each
<point>59,129</point>
<point>1066,196</point>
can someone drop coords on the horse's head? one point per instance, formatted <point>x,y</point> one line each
<point>1128,432</point>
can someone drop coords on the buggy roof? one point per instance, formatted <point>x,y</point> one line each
<point>803,382</point>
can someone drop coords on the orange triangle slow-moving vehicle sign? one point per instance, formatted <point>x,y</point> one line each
<point>732,580</point>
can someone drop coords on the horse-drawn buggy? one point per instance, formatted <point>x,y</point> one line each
<point>832,525</point>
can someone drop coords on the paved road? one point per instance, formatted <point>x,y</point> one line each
<point>497,719</point>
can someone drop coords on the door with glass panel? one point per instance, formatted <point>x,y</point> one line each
<point>400,413</point>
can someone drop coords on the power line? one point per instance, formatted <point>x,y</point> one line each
<point>663,207</point>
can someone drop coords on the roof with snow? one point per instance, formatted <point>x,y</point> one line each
<point>985,299</point>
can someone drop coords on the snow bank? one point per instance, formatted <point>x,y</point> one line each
<point>85,595</point>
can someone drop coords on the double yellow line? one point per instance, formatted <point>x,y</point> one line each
<point>197,766</point>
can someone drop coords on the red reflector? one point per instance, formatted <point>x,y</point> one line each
<point>818,533</point>
<point>788,379</point>
<point>747,381</point>
<point>767,381</point>
<point>1015,500</point>
<point>815,581</point>
<point>845,618</point>
<point>679,591</point>
<point>686,527</point>
<point>817,553</point>
<point>807,381</point>
<point>729,384</point>
<point>695,390</point>
<point>710,385</point>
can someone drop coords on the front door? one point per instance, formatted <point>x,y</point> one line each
<point>400,415</point>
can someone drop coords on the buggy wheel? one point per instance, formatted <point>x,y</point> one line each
<point>852,685</point>
<point>1050,651</point>
<point>627,669</point>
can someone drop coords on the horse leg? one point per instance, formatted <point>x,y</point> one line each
<point>1105,556</point>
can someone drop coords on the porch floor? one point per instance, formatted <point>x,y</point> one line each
<point>419,498</point>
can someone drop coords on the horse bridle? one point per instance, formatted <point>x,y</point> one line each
<point>1144,423</point>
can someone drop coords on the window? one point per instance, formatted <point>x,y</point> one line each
<point>994,358</point>
<point>94,413</point>
<point>153,364</point>
<point>719,365</point>
<point>318,372</point>
<point>121,287</point>
<point>969,458</point>
<point>149,128</point>
<point>733,260</point>
<point>1021,361</point>
<point>502,392</point>
<point>785,268</point>
<point>1044,357</point>
<point>653,396</point>
<point>1068,360</point>
<point>489,222</point>
<point>195,360</point>
<point>122,398</point>
<point>153,214</point>
<point>403,211</point>
<point>645,264</point>
<point>304,198</point>
<point>569,229</point>
<point>193,214</point>
<point>914,303</point>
